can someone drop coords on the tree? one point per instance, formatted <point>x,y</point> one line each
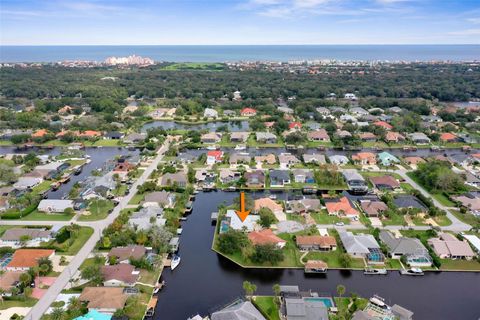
<point>249,288</point>
<point>56,314</point>
<point>341,290</point>
<point>345,260</point>
<point>44,266</point>
<point>267,218</point>
<point>92,273</point>
<point>232,241</point>
<point>25,279</point>
<point>267,253</point>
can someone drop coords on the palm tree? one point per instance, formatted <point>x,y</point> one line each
<point>341,290</point>
<point>249,288</point>
<point>56,314</point>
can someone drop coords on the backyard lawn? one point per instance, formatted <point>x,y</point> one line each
<point>98,209</point>
<point>267,307</point>
<point>137,198</point>
<point>466,217</point>
<point>42,216</point>
<point>324,218</point>
<point>448,264</point>
<point>20,303</point>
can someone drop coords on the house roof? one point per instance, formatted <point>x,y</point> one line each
<point>447,136</point>
<point>265,236</point>
<point>39,133</point>
<point>359,243</point>
<point>217,154</point>
<point>104,297</point>
<point>122,272</point>
<point>363,155</point>
<point>267,203</point>
<point>385,180</point>
<point>373,207</point>
<point>383,124</point>
<point>243,310</point>
<point>322,241</point>
<point>248,111</point>
<point>158,196</point>
<point>16,234</point>
<point>448,244</point>
<point>268,158</point>
<point>342,204</point>
<point>279,175</point>
<point>294,124</point>
<point>125,253</point>
<point>318,134</point>
<point>393,136</point>
<point>408,201</point>
<point>28,258</point>
<point>314,157</point>
<point>414,160</point>
<point>9,278</point>
<point>402,245</point>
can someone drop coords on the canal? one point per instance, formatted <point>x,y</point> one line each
<point>205,281</point>
<point>241,125</point>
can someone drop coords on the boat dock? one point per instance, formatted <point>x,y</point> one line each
<point>152,304</point>
<point>214,216</point>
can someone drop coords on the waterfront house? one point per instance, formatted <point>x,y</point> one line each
<point>211,137</point>
<point>387,159</point>
<point>40,133</point>
<point>227,175</point>
<point>119,275</point>
<point>419,138</point>
<point>255,179</point>
<point>54,205</point>
<point>239,158</point>
<point>376,309</point>
<point>25,183</point>
<point>51,170</point>
<point>104,299</point>
<point>355,181</point>
<point>266,236</point>
<point>296,305</point>
<point>114,135</point>
<point>163,198</point>
<point>134,138</point>
<point>233,221</point>
<point>268,203</point>
<point>124,254</point>
<point>150,215</point>
<point>315,158</point>
<point>341,207</point>
<point>24,259</point>
<point>448,137</point>
<point>266,158</point>
<point>318,135</point>
<point>447,246</point>
<point>394,137</point>
<point>362,246</point>
<point>316,243</point>
<point>214,156</point>
<point>364,158</point>
<point>382,124</point>
<point>303,206</point>
<point>248,112</point>
<point>303,176</point>
<point>279,178</point>
<point>385,182</point>
<point>358,111</point>
<point>367,137</point>
<point>238,310</point>
<point>239,137</point>
<point>415,253</point>
<point>229,113</point>
<point>210,113</point>
<point>265,137</point>
<point>287,160</point>
<point>373,208</point>
<point>413,161</point>
<point>474,242</point>
<point>169,179</point>
<point>28,237</point>
<point>9,280</point>
<point>409,202</point>
<point>338,160</point>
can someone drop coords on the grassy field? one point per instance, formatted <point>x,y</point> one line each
<point>324,218</point>
<point>83,235</point>
<point>332,258</point>
<point>440,197</point>
<point>267,307</point>
<point>42,187</point>
<point>466,217</point>
<point>98,210</point>
<point>194,66</point>
<point>20,303</point>
<point>42,216</point>
<point>448,264</point>
<point>137,198</point>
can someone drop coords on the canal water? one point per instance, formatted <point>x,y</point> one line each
<point>204,281</point>
<point>211,126</point>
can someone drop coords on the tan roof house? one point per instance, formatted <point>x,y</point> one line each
<point>119,275</point>
<point>266,236</point>
<point>104,299</point>
<point>317,243</point>
<point>123,254</point>
<point>447,246</point>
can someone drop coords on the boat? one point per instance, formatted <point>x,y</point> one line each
<point>183,219</point>
<point>273,197</point>
<point>159,286</point>
<point>175,261</point>
<point>412,272</point>
<point>371,271</point>
<point>55,186</point>
<point>231,189</point>
<point>78,170</point>
<point>240,147</point>
<point>179,231</point>
<point>214,147</point>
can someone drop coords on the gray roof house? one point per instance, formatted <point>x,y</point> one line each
<point>298,305</point>
<point>238,310</point>
<point>409,201</point>
<point>240,157</point>
<point>147,217</point>
<point>314,158</point>
<point>265,137</point>
<point>239,136</point>
<point>54,205</point>
<point>30,237</point>
<point>210,113</point>
<point>412,248</point>
<point>171,178</point>
<point>362,245</point>
<point>338,160</point>
<point>163,198</point>
<point>419,138</point>
<point>279,178</point>
<point>287,159</point>
<point>303,176</point>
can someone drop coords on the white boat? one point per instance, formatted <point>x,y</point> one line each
<point>240,147</point>
<point>412,272</point>
<point>381,271</point>
<point>159,287</point>
<point>175,262</point>
<point>179,231</point>
<point>273,197</point>
<point>212,147</point>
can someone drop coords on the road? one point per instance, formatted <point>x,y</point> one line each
<point>44,303</point>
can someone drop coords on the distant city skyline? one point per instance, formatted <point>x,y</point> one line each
<point>237,22</point>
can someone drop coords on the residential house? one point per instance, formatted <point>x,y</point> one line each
<point>447,246</point>
<point>279,178</point>
<point>419,138</point>
<point>364,158</point>
<point>270,204</point>
<point>25,183</point>
<point>348,118</point>
<point>240,157</point>
<point>469,202</point>
<point>474,242</point>
<point>114,135</point>
<point>377,309</point>
<point>318,135</point>
<point>255,179</point>
<point>472,180</point>
<point>298,305</point>
<point>239,137</point>
<point>210,113</point>
<point>412,249</point>
<point>28,237</point>
<point>316,243</point>
<point>358,111</point>
<point>134,138</point>
<point>323,111</point>
<point>385,125</point>
<point>267,158</point>
<point>287,160</point>
<point>448,137</point>
<point>228,176</point>
<point>295,125</point>
<point>362,246</point>
<point>413,161</point>
<point>315,158</point>
<point>9,280</point>
<point>54,205</point>
<point>124,254</point>
<point>355,181</point>
<point>104,299</point>
<point>394,137</point>
<point>303,176</point>
<point>179,179</point>
<point>266,236</point>
<point>231,220</point>
<point>341,207</point>
<point>409,202</point>
<point>350,96</point>
<point>211,137</point>
<point>338,160</point>
<point>385,182</point>
<point>367,137</point>
<point>214,156</point>
<point>387,159</point>
<point>119,275</point>
<point>239,310</point>
<point>229,113</point>
<point>51,170</point>
<point>265,137</point>
<point>39,133</point>
<point>248,112</point>
<point>164,198</point>
<point>373,208</point>
<point>150,215</point>
<point>285,110</point>
<point>24,259</point>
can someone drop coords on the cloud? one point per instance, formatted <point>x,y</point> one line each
<point>474,20</point>
<point>467,32</point>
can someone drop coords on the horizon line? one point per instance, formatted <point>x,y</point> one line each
<point>232,45</point>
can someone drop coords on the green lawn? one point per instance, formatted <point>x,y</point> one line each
<point>120,191</point>
<point>98,210</point>
<point>83,235</point>
<point>332,258</point>
<point>42,187</point>
<point>466,217</point>
<point>267,307</point>
<point>21,303</point>
<point>394,220</point>
<point>324,218</point>
<point>137,198</point>
<point>90,262</point>
<point>448,264</point>
<point>42,216</point>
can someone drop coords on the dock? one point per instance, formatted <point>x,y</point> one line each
<point>152,304</point>
<point>214,216</point>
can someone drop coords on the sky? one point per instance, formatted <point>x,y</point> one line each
<point>229,22</point>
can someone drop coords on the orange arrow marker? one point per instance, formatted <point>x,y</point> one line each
<point>242,214</point>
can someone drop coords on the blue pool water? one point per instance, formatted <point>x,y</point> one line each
<point>328,302</point>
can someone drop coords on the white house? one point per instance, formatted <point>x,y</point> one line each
<point>54,205</point>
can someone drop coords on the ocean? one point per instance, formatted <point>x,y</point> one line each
<point>217,53</point>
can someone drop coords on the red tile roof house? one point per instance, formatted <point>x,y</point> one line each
<point>295,125</point>
<point>341,207</point>
<point>119,275</point>
<point>448,137</point>
<point>24,259</point>
<point>248,112</point>
<point>214,156</point>
<point>413,161</point>
<point>266,236</point>
<point>385,182</point>
<point>373,208</point>
<point>318,135</point>
<point>364,158</point>
<point>394,137</point>
<point>123,254</point>
<point>316,243</point>
<point>39,133</point>
<point>367,136</point>
<point>383,124</point>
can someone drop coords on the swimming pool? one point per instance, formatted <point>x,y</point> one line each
<point>224,226</point>
<point>328,302</point>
